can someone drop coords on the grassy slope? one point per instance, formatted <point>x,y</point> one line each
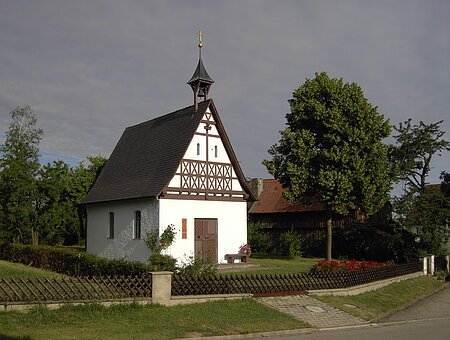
<point>8,269</point>
<point>373,304</point>
<point>146,322</point>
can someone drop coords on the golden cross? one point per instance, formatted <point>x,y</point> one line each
<point>200,35</point>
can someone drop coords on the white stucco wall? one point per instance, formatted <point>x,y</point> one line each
<point>231,224</point>
<point>123,245</point>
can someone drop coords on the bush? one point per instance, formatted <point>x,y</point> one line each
<point>292,243</point>
<point>69,261</point>
<point>160,262</point>
<point>156,244</point>
<point>198,267</point>
<point>363,241</point>
<point>257,238</point>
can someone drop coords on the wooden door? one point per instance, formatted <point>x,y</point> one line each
<point>205,246</point>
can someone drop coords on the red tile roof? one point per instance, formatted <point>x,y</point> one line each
<point>271,201</point>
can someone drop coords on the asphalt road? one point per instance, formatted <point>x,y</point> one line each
<point>428,319</point>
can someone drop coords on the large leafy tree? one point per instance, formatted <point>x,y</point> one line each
<point>18,169</point>
<point>332,150</point>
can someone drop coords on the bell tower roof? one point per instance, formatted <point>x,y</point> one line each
<point>200,74</point>
<point>200,81</point>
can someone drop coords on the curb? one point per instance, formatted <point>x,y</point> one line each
<point>254,335</point>
<point>409,304</point>
<point>279,333</point>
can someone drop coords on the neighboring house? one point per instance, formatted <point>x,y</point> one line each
<point>276,216</point>
<point>179,169</point>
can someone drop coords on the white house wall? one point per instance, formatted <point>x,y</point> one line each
<point>231,221</point>
<point>123,245</point>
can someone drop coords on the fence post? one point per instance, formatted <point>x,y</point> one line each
<point>424,260</point>
<point>430,264</point>
<point>447,260</point>
<point>161,287</point>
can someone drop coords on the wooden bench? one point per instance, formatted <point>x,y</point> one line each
<point>232,257</point>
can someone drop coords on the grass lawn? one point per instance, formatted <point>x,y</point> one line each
<point>275,264</point>
<point>8,269</point>
<point>373,304</point>
<point>145,322</point>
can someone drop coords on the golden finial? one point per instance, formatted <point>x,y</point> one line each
<point>200,35</point>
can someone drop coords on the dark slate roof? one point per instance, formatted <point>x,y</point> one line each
<point>147,156</point>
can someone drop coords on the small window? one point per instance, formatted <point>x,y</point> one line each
<point>184,228</point>
<point>137,224</point>
<point>215,151</point>
<point>198,149</point>
<point>111,225</point>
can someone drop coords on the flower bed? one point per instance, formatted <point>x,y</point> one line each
<point>245,249</point>
<point>348,265</point>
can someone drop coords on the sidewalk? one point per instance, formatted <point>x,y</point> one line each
<point>312,311</point>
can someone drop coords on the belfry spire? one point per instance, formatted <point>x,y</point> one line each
<point>200,81</point>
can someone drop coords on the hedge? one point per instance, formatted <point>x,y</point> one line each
<point>69,261</point>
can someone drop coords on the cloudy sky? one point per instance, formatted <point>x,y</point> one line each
<point>91,68</point>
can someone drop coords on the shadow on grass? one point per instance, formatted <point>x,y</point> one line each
<point>9,337</point>
<point>269,256</point>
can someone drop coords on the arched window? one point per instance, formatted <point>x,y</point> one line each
<point>198,149</point>
<point>137,224</point>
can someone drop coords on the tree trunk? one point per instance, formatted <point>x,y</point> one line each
<point>329,238</point>
<point>34,236</point>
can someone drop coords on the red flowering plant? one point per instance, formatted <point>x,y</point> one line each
<point>348,265</point>
<point>245,249</point>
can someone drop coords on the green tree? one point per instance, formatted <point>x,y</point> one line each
<point>416,145</point>
<point>445,177</point>
<point>61,189</point>
<point>81,181</point>
<point>57,216</point>
<point>18,168</point>
<point>425,213</point>
<point>422,208</point>
<point>332,150</point>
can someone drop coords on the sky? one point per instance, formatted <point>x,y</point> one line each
<point>91,68</point>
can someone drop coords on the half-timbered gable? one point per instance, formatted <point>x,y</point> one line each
<point>206,170</point>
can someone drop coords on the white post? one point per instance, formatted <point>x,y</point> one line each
<point>447,259</point>
<point>431,264</point>
<point>424,261</point>
<point>161,287</point>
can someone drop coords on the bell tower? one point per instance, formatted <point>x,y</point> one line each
<point>200,81</point>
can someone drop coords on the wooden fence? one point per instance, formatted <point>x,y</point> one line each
<point>266,284</point>
<point>93,289</point>
<point>73,289</point>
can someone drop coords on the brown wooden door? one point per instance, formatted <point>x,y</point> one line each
<point>205,246</point>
